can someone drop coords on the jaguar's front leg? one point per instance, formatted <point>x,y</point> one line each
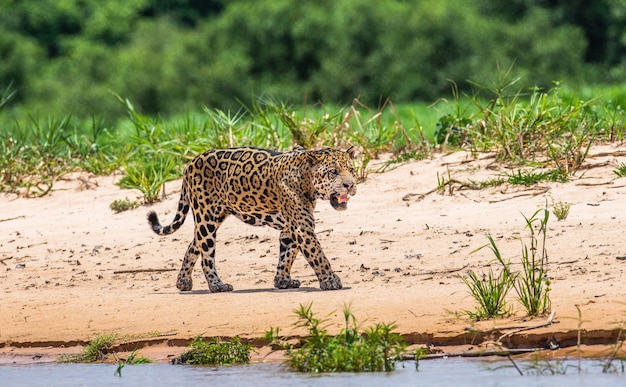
<point>311,248</point>
<point>288,253</point>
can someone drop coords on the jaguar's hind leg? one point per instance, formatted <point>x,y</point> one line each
<point>206,232</point>
<point>185,281</point>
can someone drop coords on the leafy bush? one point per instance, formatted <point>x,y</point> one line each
<point>96,350</point>
<point>215,352</point>
<point>121,205</point>
<point>377,348</point>
<point>531,284</point>
<point>59,54</point>
<point>490,290</point>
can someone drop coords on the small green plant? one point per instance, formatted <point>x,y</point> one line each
<point>620,171</point>
<point>543,366</point>
<point>377,348</point>
<point>403,158</point>
<point>453,128</point>
<point>95,350</point>
<point>136,358</point>
<point>132,359</point>
<point>442,182</point>
<point>98,348</point>
<point>561,210</point>
<point>148,176</point>
<point>528,178</point>
<point>274,339</point>
<point>215,352</point>
<point>490,290</point>
<point>609,365</point>
<point>121,205</point>
<point>532,284</point>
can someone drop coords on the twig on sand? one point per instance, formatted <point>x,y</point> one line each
<point>476,353</point>
<point>534,192</point>
<point>132,271</point>
<point>540,325</point>
<point>515,328</point>
<point>13,218</point>
<point>443,271</point>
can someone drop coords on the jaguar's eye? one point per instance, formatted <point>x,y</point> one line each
<point>332,172</point>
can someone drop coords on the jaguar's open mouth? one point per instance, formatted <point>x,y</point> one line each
<point>339,202</point>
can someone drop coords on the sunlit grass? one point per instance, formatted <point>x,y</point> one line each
<point>525,128</point>
<point>373,349</point>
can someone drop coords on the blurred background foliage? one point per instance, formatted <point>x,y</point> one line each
<point>62,57</point>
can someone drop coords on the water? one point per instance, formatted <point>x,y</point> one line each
<point>442,372</point>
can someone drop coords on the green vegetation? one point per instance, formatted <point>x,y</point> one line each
<point>96,350</point>
<point>121,205</point>
<point>252,72</point>
<point>561,210</point>
<point>490,290</point>
<point>133,359</point>
<point>215,352</point>
<point>377,348</point>
<point>99,349</point>
<point>65,55</point>
<point>531,284</point>
<point>151,151</point>
<point>610,363</point>
<point>529,178</point>
<point>620,171</point>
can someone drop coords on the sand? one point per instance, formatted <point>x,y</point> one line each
<point>71,269</point>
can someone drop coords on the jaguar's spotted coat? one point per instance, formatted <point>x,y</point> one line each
<point>262,188</point>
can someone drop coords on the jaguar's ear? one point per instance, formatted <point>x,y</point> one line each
<point>313,158</point>
<point>351,152</point>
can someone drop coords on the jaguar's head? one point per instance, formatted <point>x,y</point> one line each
<point>333,176</point>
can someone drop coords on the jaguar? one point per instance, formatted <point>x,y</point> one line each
<point>261,187</point>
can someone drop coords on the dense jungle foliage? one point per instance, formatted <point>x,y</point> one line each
<point>63,57</point>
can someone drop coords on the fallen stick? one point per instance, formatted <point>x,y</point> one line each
<point>516,328</point>
<point>537,191</point>
<point>13,218</point>
<point>132,271</point>
<point>5,259</point>
<point>479,353</point>
<point>443,271</point>
<point>541,325</point>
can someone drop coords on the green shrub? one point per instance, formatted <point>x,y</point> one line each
<point>531,284</point>
<point>121,205</point>
<point>490,290</point>
<point>561,210</point>
<point>96,350</point>
<point>377,348</point>
<point>215,352</point>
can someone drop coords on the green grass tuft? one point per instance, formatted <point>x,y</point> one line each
<point>121,205</point>
<point>215,352</point>
<point>96,350</point>
<point>531,284</point>
<point>376,348</point>
<point>620,171</point>
<point>561,210</point>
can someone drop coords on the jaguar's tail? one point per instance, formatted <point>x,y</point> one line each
<point>179,219</point>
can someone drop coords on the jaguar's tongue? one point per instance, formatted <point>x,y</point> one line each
<point>343,198</point>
